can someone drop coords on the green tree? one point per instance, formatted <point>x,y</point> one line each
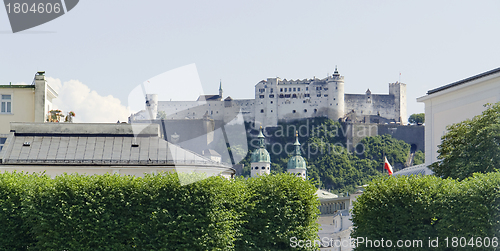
<point>417,118</point>
<point>161,115</point>
<point>470,146</point>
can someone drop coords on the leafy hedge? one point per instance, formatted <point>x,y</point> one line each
<point>112,212</point>
<point>426,208</point>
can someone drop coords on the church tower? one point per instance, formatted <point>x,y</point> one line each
<point>260,161</point>
<point>297,164</point>
<point>220,91</point>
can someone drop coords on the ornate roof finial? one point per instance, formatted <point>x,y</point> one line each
<point>261,138</point>
<point>297,144</point>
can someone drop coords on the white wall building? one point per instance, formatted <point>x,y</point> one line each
<point>454,103</point>
<point>277,99</point>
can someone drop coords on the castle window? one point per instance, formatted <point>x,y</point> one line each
<point>272,90</point>
<point>262,90</point>
<point>326,89</point>
<point>326,95</point>
<point>289,89</point>
<point>272,101</point>
<point>271,96</point>
<point>294,111</point>
<point>335,88</point>
<point>287,95</point>
<point>285,89</point>
<point>6,103</point>
<point>294,89</point>
<point>318,95</point>
<point>307,95</point>
<point>294,95</point>
<point>263,167</point>
<point>261,96</point>
<point>271,110</point>
<point>261,110</point>
<point>282,96</point>
<point>307,88</point>
<point>281,89</point>
<point>298,89</point>
<point>267,168</point>
<point>305,110</point>
<point>211,112</point>
<point>333,98</point>
<point>315,110</point>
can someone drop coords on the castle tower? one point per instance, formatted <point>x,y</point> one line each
<point>261,161</point>
<point>399,91</point>
<point>266,102</point>
<point>297,164</point>
<point>335,96</point>
<point>220,90</point>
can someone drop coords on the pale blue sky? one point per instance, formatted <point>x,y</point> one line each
<point>112,46</point>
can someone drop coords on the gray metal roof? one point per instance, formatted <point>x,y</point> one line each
<point>118,150</point>
<point>93,144</point>
<point>484,74</point>
<point>416,170</point>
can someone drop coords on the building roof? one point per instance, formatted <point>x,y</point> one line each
<point>322,194</point>
<point>416,170</point>
<point>114,144</point>
<point>17,86</point>
<point>209,98</point>
<point>481,75</point>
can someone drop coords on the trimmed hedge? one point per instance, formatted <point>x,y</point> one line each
<point>427,207</point>
<point>112,212</point>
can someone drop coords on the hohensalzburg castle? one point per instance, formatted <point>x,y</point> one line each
<point>282,100</point>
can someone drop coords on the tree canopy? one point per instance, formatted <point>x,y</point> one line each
<point>417,118</point>
<point>471,146</point>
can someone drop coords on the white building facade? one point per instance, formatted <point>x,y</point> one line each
<point>454,103</point>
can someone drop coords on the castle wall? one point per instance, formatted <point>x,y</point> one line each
<point>373,104</point>
<point>284,100</point>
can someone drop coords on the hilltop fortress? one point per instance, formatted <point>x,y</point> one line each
<point>284,100</point>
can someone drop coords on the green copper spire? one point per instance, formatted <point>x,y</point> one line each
<point>260,154</point>
<point>297,144</point>
<point>296,161</point>
<point>261,138</point>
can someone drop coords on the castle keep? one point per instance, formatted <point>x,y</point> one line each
<point>282,100</point>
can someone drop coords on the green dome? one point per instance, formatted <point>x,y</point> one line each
<point>260,155</point>
<point>296,162</point>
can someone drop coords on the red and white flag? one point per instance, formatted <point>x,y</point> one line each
<point>387,166</point>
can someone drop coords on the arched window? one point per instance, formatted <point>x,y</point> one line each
<point>305,110</point>
<point>263,167</point>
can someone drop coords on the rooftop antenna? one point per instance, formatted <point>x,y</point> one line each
<point>399,77</point>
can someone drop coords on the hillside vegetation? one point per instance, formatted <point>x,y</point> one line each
<point>325,148</point>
